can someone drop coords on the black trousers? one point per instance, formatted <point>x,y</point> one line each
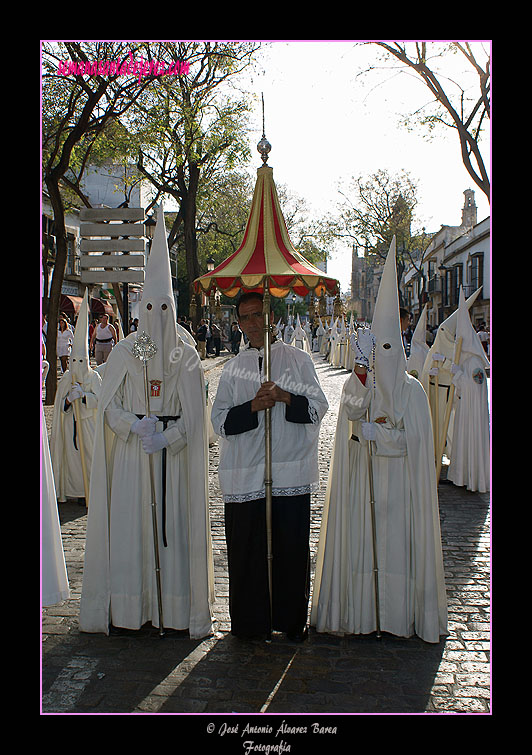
<point>245,532</point>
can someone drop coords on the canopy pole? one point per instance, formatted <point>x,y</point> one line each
<point>268,448</point>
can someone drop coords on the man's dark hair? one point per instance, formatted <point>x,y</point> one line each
<point>250,295</point>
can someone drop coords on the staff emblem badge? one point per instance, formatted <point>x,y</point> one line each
<point>155,386</point>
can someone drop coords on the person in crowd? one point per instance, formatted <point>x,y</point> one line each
<point>379,564</point>
<point>103,339</point>
<point>65,338</point>
<point>72,437</point>
<point>297,405</point>
<point>201,338</point>
<point>148,456</point>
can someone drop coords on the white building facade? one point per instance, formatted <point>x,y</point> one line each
<point>456,256</point>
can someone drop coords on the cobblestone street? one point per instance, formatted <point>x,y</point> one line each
<point>140,673</point>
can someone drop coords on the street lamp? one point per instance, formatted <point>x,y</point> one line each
<point>149,229</point>
<point>294,297</point>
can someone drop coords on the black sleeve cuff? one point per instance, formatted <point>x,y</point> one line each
<point>298,410</point>
<point>240,419</point>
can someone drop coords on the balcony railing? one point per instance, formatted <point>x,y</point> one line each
<point>434,285</point>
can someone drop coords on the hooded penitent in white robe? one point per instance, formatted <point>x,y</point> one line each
<point>349,350</point>
<point>54,579</point>
<point>320,334</point>
<point>324,348</point>
<point>299,338</point>
<point>65,443</point>
<point>288,331</point>
<point>470,453</point>
<point>340,359</point>
<point>418,346</point>
<point>410,563</point>
<point>444,345</point>
<point>119,581</point>
<point>334,338</point>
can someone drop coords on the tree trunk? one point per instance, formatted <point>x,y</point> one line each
<point>190,238</point>
<point>55,289</point>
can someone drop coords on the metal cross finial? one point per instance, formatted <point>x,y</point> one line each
<point>144,347</point>
<point>264,145</point>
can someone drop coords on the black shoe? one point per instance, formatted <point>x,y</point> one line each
<point>297,636</point>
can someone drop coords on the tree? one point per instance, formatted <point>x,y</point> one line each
<point>197,131</point>
<point>376,208</point>
<point>76,109</point>
<point>454,107</point>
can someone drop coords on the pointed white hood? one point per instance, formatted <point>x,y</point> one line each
<point>418,346</point>
<point>299,336</point>
<point>471,345</point>
<point>79,364</point>
<point>445,336</point>
<point>157,315</point>
<point>389,366</point>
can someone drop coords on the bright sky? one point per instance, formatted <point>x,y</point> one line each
<point>326,126</point>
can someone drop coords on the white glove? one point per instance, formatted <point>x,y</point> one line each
<point>144,427</point>
<point>363,345</point>
<point>434,371</point>
<point>456,369</point>
<point>75,392</point>
<point>153,443</point>
<point>369,431</point>
<point>438,357</point>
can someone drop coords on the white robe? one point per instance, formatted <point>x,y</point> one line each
<point>320,335</point>
<point>438,395</point>
<point>410,563</point>
<point>416,358</point>
<point>288,333</point>
<point>66,457</point>
<point>300,340</point>
<point>119,583</point>
<point>294,446</point>
<point>54,579</point>
<point>470,453</point>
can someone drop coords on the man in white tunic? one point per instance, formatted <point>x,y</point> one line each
<point>297,407</point>
<point>384,411</point>
<point>119,582</point>
<point>470,453</point>
<point>79,383</point>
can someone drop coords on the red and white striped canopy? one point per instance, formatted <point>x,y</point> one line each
<point>266,254</point>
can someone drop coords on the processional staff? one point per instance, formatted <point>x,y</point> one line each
<point>144,349</point>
